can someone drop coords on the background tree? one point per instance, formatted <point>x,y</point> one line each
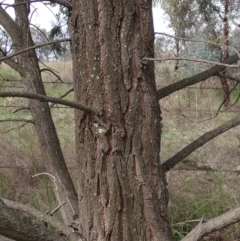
<point>122,191</point>
<point>207,21</point>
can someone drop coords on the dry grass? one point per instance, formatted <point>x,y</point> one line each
<point>193,194</point>
<point>187,114</point>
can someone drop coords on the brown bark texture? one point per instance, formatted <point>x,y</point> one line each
<point>121,193</point>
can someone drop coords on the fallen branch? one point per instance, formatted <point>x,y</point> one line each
<point>24,209</point>
<point>213,225</point>
<point>18,225</point>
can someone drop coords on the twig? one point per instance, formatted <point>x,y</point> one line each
<point>199,41</point>
<point>17,120</point>
<point>15,128</point>
<point>215,70</point>
<point>230,77</point>
<point>191,59</point>
<point>62,96</point>
<point>58,77</point>
<point>35,47</point>
<point>57,208</point>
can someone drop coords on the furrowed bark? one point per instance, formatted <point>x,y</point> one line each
<point>121,194</point>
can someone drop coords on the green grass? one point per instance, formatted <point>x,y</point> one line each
<point>3,185</point>
<point>19,144</point>
<point>201,196</point>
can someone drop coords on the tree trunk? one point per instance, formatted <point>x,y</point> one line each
<point>48,139</point>
<point>122,193</point>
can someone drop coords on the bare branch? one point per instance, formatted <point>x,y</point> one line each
<point>14,65</point>
<point>178,157</point>
<point>215,70</point>
<point>61,227</point>
<point>56,209</point>
<point>198,41</point>
<point>18,225</point>
<point>65,3</point>
<point>15,128</point>
<point>10,26</point>
<point>45,98</point>
<point>213,225</point>
<point>35,47</point>
<point>17,120</point>
<point>51,71</point>
<point>192,60</point>
<point>62,96</point>
<point>230,77</point>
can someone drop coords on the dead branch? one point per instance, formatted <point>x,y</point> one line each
<point>215,70</point>
<point>230,77</point>
<point>56,209</point>
<point>62,96</point>
<point>45,98</point>
<point>65,3</point>
<point>213,225</point>
<point>51,71</point>
<point>17,120</point>
<point>206,137</point>
<point>35,47</point>
<point>61,227</point>
<point>192,60</point>
<point>199,41</point>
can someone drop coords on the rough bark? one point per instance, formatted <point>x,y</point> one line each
<point>121,191</point>
<point>45,129</point>
<point>215,70</point>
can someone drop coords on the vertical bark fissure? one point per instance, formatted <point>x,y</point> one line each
<point>120,191</point>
